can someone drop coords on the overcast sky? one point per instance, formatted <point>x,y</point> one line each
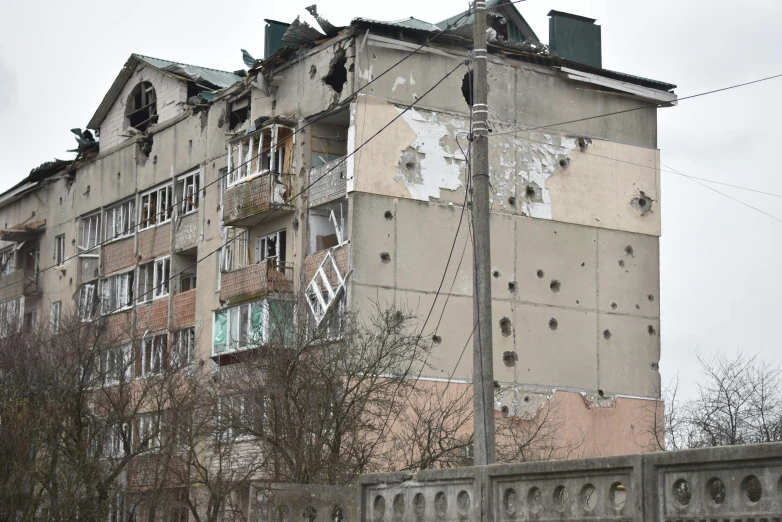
<point>720,261</point>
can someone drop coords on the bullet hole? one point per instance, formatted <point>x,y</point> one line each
<point>512,201</point>
<point>637,307</point>
<point>410,165</point>
<point>621,263</point>
<point>388,215</point>
<point>583,143</point>
<point>60,201</point>
<point>553,324</point>
<point>629,250</point>
<point>337,76</point>
<point>555,286</point>
<point>154,160</point>
<point>642,203</point>
<point>505,411</point>
<point>505,327</point>
<point>564,163</point>
<point>654,366</point>
<point>530,192</point>
<point>650,297</point>
<point>577,301</point>
<point>510,359</point>
<point>651,330</point>
<point>583,264</point>
<point>374,56</point>
<point>600,392</point>
<point>512,287</point>
<point>467,87</point>
<point>385,257</point>
<point>496,274</point>
<point>496,385</point>
<point>120,174</point>
<point>437,340</point>
<point>607,334</point>
<point>526,398</point>
<point>613,306</point>
<point>541,274</point>
<point>313,71</point>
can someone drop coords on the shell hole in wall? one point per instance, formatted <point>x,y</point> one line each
<point>512,201</point>
<point>651,330</point>
<point>553,324</point>
<point>437,340</point>
<point>530,192</point>
<point>505,327</point>
<point>510,359</point>
<point>607,334</point>
<point>555,286</point>
<point>613,305</point>
<point>629,250</point>
<point>541,274</point>
<point>505,411</point>
<point>388,215</point>
<point>337,76</point>
<point>512,287</point>
<point>496,274</point>
<point>385,258</point>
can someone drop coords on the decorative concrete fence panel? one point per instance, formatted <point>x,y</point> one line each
<point>302,503</point>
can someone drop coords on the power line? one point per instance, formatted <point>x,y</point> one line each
<point>202,190</point>
<point>645,106</point>
<point>264,218</point>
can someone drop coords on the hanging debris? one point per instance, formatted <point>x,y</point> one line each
<point>324,24</point>
<point>301,33</point>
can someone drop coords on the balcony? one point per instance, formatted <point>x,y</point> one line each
<point>254,281</point>
<point>18,283</point>
<point>184,309</point>
<point>329,181</point>
<point>250,199</point>
<point>186,232</point>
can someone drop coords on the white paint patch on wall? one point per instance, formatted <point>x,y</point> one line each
<point>439,166</point>
<point>399,81</point>
<point>539,162</point>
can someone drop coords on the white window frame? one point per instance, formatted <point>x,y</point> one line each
<point>117,292</point>
<point>149,431</point>
<point>238,327</point>
<point>119,221</point>
<point>234,254</point>
<point>89,232</point>
<point>160,278</point>
<point>254,146</point>
<point>59,250</point>
<point>55,314</point>
<point>112,359</point>
<point>261,245</point>
<point>163,207</point>
<point>154,349</point>
<point>88,306</point>
<point>188,192</point>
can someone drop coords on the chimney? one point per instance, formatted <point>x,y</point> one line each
<point>575,38</point>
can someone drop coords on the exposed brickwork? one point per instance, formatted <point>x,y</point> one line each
<point>154,242</point>
<point>341,255</point>
<point>118,255</point>
<point>184,309</point>
<point>186,232</point>
<point>257,195</point>
<point>311,264</point>
<point>152,316</point>
<point>256,281</point>
<point>119,326</point>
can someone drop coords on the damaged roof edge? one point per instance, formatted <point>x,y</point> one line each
<point>37,175</point>
<point>181,71</point>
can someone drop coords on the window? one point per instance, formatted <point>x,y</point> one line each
<point>184,347</point>
<point>238,328</point>
<point>258,154</point>
<point>120,220</point>
<point>234,253</point>
<point>154,349</point>
<point>153,279</point>
<point>56,312</point>
<point>115,364</point>
<point>156,207</point>
<point>187,282</point>
<point>6,262</point>
<point>89,232</point>
<point>187,192</point>
<point>148,432</point>
<point>271,245</point>
<point>59,250</point>
<point>116,293</point>
<point>87,302</point>
<point>141,108</point>
<point>28,323</point>
<point>11,314</point>
<point>238,417</point>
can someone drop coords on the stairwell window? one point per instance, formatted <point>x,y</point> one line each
<point>56,312</point>
<point>59,250</point>
<point>153,279</point>
<point>156,207</point>
<point>89,232</point>
<point>120,220</point>
<point>187,188</point>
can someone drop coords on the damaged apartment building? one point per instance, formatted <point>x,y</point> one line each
<point>181,161</point>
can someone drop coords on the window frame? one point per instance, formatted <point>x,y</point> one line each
<point>59,250</point>
<point>87,301</point>
<point>7,261</point>
<point>160,209</point>
<point>116,354</point>
<point>244,339</point>
<point>190,180</point>
<point>127,219</point>
<point>55,314</point>
<point>184,355</point>
<point>262,246</point>
<point>111,285</point>
<point>155,291</point>
<point>153,360</point>
<point>87,219</point>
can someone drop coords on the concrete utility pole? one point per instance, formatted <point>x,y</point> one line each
<point>482,368</point>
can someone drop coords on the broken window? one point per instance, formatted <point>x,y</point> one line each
<point>152,359</point>
<point>88,302</point>
<point>187,282</point>
<point>89,232</point>
<point>142,107</point>
<point>28,323</point>
<point>187,192</point>
<point>116,293</point>
<point>184,347</point>
<point>11,314</point>
<point>238,328</point>
<point>266,151</point>
<point>148,431</point>
<point>153,279</point>
<point>115,364</point>
<point>59,250</point>
<point>56,312</point>
<point>120,220</point>
<point>240,111</point>
<point>271,245</point>
<point>234,254</point>
<point>156,207</point>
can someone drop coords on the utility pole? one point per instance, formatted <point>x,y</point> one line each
<point>482,368</point>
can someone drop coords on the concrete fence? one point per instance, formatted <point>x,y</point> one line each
<point>736,484</point>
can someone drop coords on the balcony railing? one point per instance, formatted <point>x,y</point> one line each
<point>266,277</point>
<point>18,283</point>
<point>329,181</point>
<point>260,194</point>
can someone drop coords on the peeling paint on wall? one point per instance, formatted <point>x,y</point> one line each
<point>538,163</point>
<point>439,165</point>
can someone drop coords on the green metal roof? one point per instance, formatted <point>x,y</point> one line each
<point>406,23</point>
<point>212,77</point>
